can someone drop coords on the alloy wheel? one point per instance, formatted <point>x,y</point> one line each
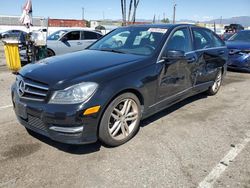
<point>217,83</point>
<point>123,119</point>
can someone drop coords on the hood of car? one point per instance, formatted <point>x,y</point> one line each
<point>59,69</point>
<point>241,45</point>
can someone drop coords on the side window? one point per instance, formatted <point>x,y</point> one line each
<point>203,38</point>
<point>217,41</point>
<point>180,40</point>
<point>73,35</point>
<point>88,35</point>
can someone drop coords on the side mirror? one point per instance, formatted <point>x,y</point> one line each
<point>174,55</point>
<point>64,39</point>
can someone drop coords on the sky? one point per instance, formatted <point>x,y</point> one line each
<point>198,10</point>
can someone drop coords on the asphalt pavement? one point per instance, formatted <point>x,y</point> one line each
<point>202,141</point>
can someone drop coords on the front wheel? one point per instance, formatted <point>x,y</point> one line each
<point>50,53</point>
<point>120,121</point>
<point>217,84</point>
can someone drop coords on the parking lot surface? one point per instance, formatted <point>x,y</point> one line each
<point>181,146</point>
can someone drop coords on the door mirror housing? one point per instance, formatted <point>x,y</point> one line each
<point>64,39</point>
<point>173,55</point>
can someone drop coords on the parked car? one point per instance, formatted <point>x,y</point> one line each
<point>226,36</point>
<point>104,91</point>
<point>239,51</point>
<point>67,41</point>
<point>233,28</point>
<point>13,34</point>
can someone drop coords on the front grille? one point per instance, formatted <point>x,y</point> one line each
<point>29,89</point>
<point>36,122</point>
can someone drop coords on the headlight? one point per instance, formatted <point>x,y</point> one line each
<point>74,94</point>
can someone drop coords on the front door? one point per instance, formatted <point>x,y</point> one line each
<point>176,75</point>
<point>71,43</point>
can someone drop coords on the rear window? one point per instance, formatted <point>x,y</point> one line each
<point>88,35</point>
<point>204,38</point>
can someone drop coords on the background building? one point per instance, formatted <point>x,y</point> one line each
<point>67,23</point>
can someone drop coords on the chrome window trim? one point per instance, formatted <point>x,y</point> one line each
<point>206,49</point>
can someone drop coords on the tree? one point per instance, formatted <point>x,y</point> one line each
<point>136,2</point>
<point>122,7</point>
<point>133,4</point>
<point>153,19</point>
<point>165,20</point>
<point>130,9</point>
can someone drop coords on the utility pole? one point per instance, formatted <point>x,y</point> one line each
<point>154,19</point>
<point>103,15</point>
<point>174,12</point>
<point>83,13</point>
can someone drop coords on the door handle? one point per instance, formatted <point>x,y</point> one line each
<point>79,43</point>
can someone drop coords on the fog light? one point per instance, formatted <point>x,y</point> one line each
<point>67,129</point>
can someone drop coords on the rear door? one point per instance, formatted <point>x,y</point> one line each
<point>176,75</point>
<point>88,37</point>
<point>211,53</point>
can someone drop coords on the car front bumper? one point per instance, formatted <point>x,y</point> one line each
<point>238,68</point>
<point>240,63</point>
<point>62,123</point>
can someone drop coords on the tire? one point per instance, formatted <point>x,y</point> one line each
<point>213,90</point>
<point>120,121</point>
<point>50,53</point>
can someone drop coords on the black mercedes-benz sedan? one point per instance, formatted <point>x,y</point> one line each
<point>103,92</point>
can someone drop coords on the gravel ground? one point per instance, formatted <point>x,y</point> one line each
<point>177,147</point>
<point>2,57</point>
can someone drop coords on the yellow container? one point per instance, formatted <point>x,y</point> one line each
<point>12,55</point>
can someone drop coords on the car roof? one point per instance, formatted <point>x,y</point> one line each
<point>163,26</point>
<point>69,30</point>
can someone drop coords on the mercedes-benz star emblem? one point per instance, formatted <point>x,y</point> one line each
<point>21,87</point>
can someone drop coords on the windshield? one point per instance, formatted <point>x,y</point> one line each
<point>132,40</point>
<point>241,36</point>
<point>56,35</point>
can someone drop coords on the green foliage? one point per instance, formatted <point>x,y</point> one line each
<point>165,20</point>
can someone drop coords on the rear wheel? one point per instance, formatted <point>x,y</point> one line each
<point>120,121</point>
<point>217,84</point>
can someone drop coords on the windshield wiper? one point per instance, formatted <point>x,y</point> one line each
<point>112,50</point>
